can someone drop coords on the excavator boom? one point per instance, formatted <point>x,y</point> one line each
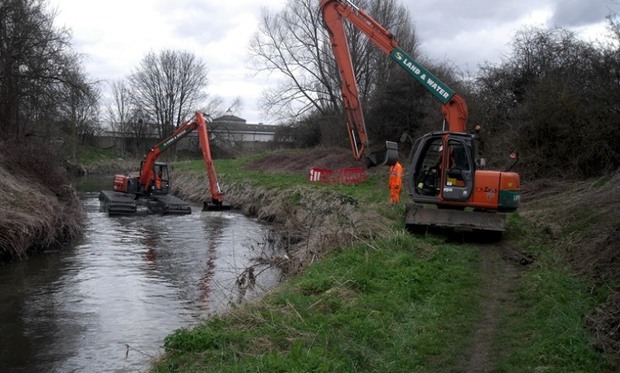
<point>199,124</point>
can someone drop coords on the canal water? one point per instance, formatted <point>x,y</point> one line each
<point>106,303</point>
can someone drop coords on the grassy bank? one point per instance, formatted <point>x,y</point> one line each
<point>38,207</point>
<point>386,306</point>
<point>386,300</point>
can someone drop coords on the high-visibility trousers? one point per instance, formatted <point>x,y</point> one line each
<point>395,192</point>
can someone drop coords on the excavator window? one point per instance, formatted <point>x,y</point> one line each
<point>458,157</point>
<point>160,179</point>
<point>459,170</point>
<point>428,168</point>
<point>458,166</point>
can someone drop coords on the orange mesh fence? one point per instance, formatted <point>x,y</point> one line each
<point>345,176</point>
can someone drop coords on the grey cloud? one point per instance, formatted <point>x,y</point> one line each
<point>443,19</point>
<point>574,13</point>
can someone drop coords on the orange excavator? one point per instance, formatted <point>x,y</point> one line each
<point>151,186</point>
<point>447,181</point>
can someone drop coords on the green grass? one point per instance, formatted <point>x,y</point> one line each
<point>374,189</point>
<point>394,306</point>
<point>234,170</point>
<point>544,331</point>
<point>89,155</point>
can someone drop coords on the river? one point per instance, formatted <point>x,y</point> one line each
<point>106,303</point>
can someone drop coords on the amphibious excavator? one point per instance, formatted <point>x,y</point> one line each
<point>446,179</point>
<point>151,186</point>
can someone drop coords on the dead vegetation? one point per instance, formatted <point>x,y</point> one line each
<point>38,207</point>
<point>309,221</point>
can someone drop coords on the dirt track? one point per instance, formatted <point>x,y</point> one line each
<point>500,266</point>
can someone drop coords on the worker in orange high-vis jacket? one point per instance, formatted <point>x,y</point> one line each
<point>396,182</point>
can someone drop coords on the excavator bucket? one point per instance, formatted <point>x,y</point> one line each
<point>216,206</point>
<point>385,156</point>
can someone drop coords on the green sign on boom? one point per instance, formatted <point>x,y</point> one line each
<point>428,80</point>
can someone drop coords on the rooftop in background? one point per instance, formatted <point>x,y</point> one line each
<point>232,123</point>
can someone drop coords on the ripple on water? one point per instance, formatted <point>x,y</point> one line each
<point>107,303</point>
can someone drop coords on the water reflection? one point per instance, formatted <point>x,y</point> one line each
<point>107,303</point>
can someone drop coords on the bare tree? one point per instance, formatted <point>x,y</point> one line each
<point>34,59</point>
<point>555,98</point>
<point>613,23</point>
<point>291,43</point>
<point>169,86</point>
<point>119,111</point>
<point>79,108</point>
<point>294,44</point>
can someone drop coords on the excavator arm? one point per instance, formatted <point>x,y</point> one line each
<point>333,12</point>
<point>454,109</point>
<point>198,123</point>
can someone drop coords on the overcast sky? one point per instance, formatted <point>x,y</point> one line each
<point>115,35</point>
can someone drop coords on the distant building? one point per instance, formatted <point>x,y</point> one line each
<point>230,128</point>
<point>228,135</point>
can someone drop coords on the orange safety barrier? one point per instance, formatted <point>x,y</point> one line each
<point>321,174</point>
<point>345,176</point>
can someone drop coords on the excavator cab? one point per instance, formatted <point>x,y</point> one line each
<point>443,165</point>
<point>160,179</point>
<point>161,183</point>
